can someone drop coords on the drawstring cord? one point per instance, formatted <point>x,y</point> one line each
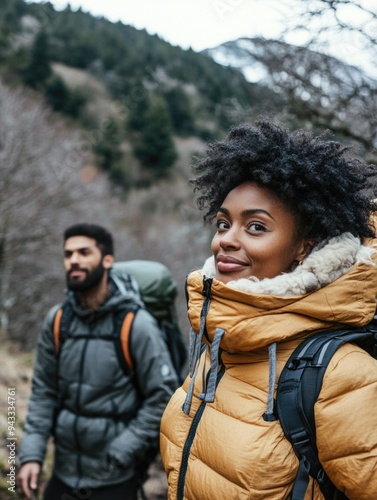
<point>208,395</point>
<point>269,415</point>
<point>195,351</point>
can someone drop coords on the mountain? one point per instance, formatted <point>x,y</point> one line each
<point>122,56</point>
<point>137,89</point>
<point>253,57</point>
<point>316,90</point>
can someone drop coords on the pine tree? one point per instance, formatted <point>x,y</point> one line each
<point>61,98</point>
<point>180,111</point>
<point>108,148</point>
<point>155,149</point>
<point>38,70</point>
<point>138,106</point>
<point>109,154</point>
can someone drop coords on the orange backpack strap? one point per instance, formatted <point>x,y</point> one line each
<point>56,329</point>
<point>122,327</point>
<point>125,338</point>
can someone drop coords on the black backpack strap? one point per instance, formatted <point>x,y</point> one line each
<point>299,385</point>
<point>175,343</point>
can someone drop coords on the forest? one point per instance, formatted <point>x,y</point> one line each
<point>102,122</point>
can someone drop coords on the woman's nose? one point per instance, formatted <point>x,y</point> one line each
<point>230,239</point>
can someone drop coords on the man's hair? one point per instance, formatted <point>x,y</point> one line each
<point>103,238</point>
<point>323,187</point>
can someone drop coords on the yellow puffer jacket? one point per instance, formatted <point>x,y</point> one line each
<point>221,446</point>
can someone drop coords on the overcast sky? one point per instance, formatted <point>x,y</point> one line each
<point>202,24</point>
<point>198,24</point>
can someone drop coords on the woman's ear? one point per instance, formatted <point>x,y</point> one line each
<point>108,261</point>
<point>305,249</point>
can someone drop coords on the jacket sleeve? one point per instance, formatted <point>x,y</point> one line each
<point>346,422</point>
<point>43,402</point>
<point>157,380</point>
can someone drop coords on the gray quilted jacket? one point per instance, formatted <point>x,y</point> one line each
<point>86,401</point>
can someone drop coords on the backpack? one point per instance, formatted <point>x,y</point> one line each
<point>158,291</point>
<point>298,389</point>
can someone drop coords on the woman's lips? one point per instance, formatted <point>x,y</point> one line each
<point>229,264</point>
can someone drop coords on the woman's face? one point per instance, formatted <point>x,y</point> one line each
<point>256,235</point>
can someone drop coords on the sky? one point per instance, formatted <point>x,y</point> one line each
<point>203,24</point>
<point>198,24</point>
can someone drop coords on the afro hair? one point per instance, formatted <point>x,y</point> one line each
<point>320,183</point>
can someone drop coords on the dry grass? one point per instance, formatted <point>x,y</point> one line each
<point>16,372</point>
<point>100,104</point>
<point>78,78</point>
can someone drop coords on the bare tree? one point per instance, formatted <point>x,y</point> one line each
<point>47,182</point>
<point>346,28</point>
<point>33,152</point>
<point>317,90</point>
<point>323,65</point>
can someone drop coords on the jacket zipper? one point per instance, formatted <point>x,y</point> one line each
<point>189,442</point>
<point>75,424</point>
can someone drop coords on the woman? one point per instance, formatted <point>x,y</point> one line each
<point>292,255</point>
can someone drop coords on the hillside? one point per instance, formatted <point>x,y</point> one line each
<point>49,181</point>
<point>120,115</point>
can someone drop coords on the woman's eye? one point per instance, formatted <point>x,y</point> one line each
<point>221,224</point>
<point>255,226</point>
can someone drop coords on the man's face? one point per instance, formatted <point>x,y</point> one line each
<point>85,266</point>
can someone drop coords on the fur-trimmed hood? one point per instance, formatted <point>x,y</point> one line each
<point>334,286</point>
<point>326,263</point>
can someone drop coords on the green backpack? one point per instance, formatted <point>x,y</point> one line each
<point>159,291</point>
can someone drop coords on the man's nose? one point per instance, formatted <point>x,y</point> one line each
<point>74,258</point>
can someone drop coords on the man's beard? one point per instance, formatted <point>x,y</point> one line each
<point>92,279</point>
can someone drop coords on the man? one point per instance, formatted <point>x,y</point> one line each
<point>103,419</point>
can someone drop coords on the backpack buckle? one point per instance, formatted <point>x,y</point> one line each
<point>300,440</point>
<point>300,361</point>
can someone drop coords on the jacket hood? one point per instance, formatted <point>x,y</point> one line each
<point>123,291</point>
<point>335,285</point>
